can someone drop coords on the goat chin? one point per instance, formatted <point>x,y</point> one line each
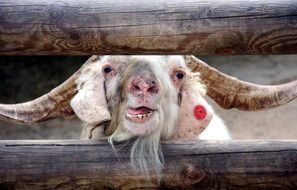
<point>216,130</point>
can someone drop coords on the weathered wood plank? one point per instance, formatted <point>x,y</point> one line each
<point>189,165</point>
<point>42,27</point>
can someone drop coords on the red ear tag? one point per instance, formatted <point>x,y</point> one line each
<point>199,112</point>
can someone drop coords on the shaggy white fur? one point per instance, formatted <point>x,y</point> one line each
<point>146,155</point>
<point>216,130</point>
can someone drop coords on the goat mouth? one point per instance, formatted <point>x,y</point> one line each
<point>139,114</point>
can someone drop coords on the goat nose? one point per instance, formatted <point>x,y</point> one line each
<point>144,86</point>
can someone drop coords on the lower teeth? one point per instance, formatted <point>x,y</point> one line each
<point>138,116</point>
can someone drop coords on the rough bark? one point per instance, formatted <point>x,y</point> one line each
<point>188,165</point>
<point>147,27</point>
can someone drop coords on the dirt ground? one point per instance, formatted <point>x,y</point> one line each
<point>277,123</point>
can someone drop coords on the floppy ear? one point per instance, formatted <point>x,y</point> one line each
<point>195,113</point>
<point>89,104</point>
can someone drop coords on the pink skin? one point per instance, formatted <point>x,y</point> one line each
<point>191,122</point>
<point>142,90</point>
<point>143,93</point>
<point>143,96</point>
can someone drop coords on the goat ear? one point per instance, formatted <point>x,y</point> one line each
<point>89,104</point>
<point>195,113</point>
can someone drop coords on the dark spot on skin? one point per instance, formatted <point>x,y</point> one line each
<point>179,98</point>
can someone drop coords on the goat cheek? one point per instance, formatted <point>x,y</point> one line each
<point>195,114</point>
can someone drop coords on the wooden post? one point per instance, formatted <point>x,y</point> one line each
<point>72,27</point>
<point>197,165</point>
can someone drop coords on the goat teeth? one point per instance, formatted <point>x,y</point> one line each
<point>139,116</point>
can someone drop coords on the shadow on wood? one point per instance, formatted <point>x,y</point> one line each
<point>189,165</point>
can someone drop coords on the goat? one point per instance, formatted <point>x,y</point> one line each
<point>148,99</point>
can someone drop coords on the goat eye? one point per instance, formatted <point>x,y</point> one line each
<point>180,75</point>
<point>107,70</point>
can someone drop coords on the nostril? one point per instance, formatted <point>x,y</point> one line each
<point>143,86</point>
<point>136,87</point>
<point>153,89</point>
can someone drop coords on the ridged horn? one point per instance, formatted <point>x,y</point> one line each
<point>55,103</point>
<point>230,92</point>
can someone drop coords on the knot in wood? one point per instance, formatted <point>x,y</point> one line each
<point>192,175</point>
<point>74,35</point>
<point>56,13</point>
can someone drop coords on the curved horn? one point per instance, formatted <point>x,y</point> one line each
<point>54,104</point>
<point>229,92</point>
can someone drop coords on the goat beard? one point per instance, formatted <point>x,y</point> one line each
<point>146,155</point>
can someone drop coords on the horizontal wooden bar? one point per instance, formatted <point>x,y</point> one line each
<point>200,27</point>
<point>197,164</point>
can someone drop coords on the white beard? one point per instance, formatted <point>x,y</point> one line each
<point>146,154</point>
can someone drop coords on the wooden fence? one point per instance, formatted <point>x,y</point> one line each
<point>189,165</point>
<point>70,27</point>
<point>147,27</point>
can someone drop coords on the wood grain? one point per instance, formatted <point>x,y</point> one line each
<point>189,165</point>
<point>71,27</point>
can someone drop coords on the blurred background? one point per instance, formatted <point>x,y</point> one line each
<point>25,78</point>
